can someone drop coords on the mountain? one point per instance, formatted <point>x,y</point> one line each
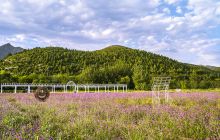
<point>114,64</point>
<point>213,68</point>
<point>9,49</point>
<point>115,48</point>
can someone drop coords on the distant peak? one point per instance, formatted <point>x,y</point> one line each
<point>8,45</point>
<point>7,49</point>
<point>112,47</point>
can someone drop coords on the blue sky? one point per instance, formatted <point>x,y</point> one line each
<point>185,30</point>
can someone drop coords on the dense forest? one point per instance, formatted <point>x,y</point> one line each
<point>114,64</point>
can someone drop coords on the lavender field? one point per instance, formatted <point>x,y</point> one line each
<point>110,116</point>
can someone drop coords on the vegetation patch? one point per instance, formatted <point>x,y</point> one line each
<point>112,116</point>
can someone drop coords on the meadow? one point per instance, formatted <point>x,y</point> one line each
<point>116,116</point>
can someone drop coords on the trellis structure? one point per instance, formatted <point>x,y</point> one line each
<point>106,88</point>
<point>71,84</point>
<point>30,87</point>
<point>160,88</point>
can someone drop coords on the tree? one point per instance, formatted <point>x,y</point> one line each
<point>6,77</point>
<point>141,78</point>
<point>193,80</point>
<point>125,80</point>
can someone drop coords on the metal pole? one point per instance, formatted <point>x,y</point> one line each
<point>29,89</point>
<point>1,88</point>
<point>15,89</point>
<point>98,89</point>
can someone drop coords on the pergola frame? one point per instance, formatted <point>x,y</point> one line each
<point>76,87</point>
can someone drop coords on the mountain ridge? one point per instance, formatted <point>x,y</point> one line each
<point>213,67</point>
<point>7,49</point>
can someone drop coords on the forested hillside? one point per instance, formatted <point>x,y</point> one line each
<point>114,64</point>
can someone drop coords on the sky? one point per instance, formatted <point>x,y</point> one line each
<point>185,30</point>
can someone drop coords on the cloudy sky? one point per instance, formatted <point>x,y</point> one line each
<point>185,30</point>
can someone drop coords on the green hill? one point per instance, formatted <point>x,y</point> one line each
<point>114,64</point>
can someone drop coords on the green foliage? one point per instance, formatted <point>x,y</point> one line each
<point>183,84</point>
<point>141,77</point>
<point>6,77</point>
<point>125,80</point>
<point>114,64</point>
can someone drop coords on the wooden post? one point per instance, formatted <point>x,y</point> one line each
<point>66,88</point>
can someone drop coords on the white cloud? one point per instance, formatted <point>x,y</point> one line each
<point>6,7</point>
<point>179,10</point>
<point>38,3</point>
<point>154,3</point>
<point>166,10</point>
<point>79,8</point>
<point>20,37</point>
<point>217,11</point>
<point>203,10</point>
<point>16,38</point>
<point>150,37</point>
<point>107,32</point>
<point>181,30</point>
<point>171,26</point>
<point>62,2</point>
<point>171,1</point>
